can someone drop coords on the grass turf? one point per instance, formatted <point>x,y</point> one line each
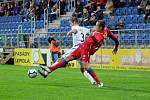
<point>69,84</point>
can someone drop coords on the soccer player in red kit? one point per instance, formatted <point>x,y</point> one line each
<point>83,52</point>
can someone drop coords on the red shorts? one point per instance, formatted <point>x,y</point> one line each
<point>81,54</point>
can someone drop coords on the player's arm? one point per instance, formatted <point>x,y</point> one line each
<point>72,31</point>
<point>115,39</point>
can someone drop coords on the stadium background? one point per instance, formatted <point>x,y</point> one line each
<point>28,24</point>
<point>25,27</point>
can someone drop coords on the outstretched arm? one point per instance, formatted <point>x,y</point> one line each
<point>72,31</point>
<point>115,39</point>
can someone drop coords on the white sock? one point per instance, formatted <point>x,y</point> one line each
<point>89,77</point>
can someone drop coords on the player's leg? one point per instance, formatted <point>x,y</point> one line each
<point>85,73</point>
<point>69,56</point>
<point>66,54</point>
<point>85,57</point>
<point>62,63</point>
<point>59,64</point>
<point>94,75</point>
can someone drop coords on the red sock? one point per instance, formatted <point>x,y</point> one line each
<point>93,74</point>
<point>58,65</point>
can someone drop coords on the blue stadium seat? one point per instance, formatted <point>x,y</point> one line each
<point>14,41</point>
<point>134,18</point>
<point>147,25</point>
<point>123,11</point>
<point>52,30</point>
<point>140,19</point>
<point>128,19</point>
<point>134,11</point>
<point>65,22</point>
<point>123,18</point>
<point>41,40</point>
<point>40,24</point>
<point>117,18</point>
<point>132,39</point>
<point>128,26</point>
<point>117,12</point>
<point>46,41</point>
<point>147,38</point>
<point>125,39</point>
<point>140,40</point>
<point>128,11</point>
<point>63,29</point>
<point>140,26</point>
<point>134,26</point>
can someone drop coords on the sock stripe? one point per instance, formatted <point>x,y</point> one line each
<point>64,61</point>
<point>90,70</point>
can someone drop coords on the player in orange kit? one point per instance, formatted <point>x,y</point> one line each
<point>83,52</point>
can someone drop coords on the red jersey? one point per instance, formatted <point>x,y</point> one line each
<point>92,43</point>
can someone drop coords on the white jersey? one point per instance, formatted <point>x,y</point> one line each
<point>78,37</point>
<point>81,34</point>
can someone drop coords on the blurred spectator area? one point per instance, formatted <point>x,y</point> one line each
<point>28,8</point>
<point>131,16</point>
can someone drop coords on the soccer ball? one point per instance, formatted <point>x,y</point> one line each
<point>32,73</point>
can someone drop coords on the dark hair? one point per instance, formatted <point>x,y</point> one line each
<point>50,39</point>
<point>74,15</point>
<point>74,20</point>
<point>101,23</point>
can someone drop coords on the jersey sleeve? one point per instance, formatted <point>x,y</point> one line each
<point>87,31</point>
<point>113,37</point>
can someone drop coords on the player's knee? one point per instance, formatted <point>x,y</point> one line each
<point>85,65</point>
<point>87,68</point>
<point>82,70</point>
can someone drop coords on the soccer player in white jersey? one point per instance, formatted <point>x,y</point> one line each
<point>79,34</point>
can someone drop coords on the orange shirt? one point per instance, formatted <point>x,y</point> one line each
<point>54,48</point>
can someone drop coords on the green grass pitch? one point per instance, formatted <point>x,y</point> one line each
<point>70,84</point>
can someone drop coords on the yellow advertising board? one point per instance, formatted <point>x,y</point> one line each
<point>124,59</point>
<point>37,56</point>
<point>72,64</point>
<point>28,57</point>
<point>22,56</point>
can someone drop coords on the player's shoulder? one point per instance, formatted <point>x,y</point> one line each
<point>75,27</point>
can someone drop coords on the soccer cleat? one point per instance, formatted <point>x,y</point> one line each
<point>100,84</point>
<point>43,73</point>
<point>45,68</point>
